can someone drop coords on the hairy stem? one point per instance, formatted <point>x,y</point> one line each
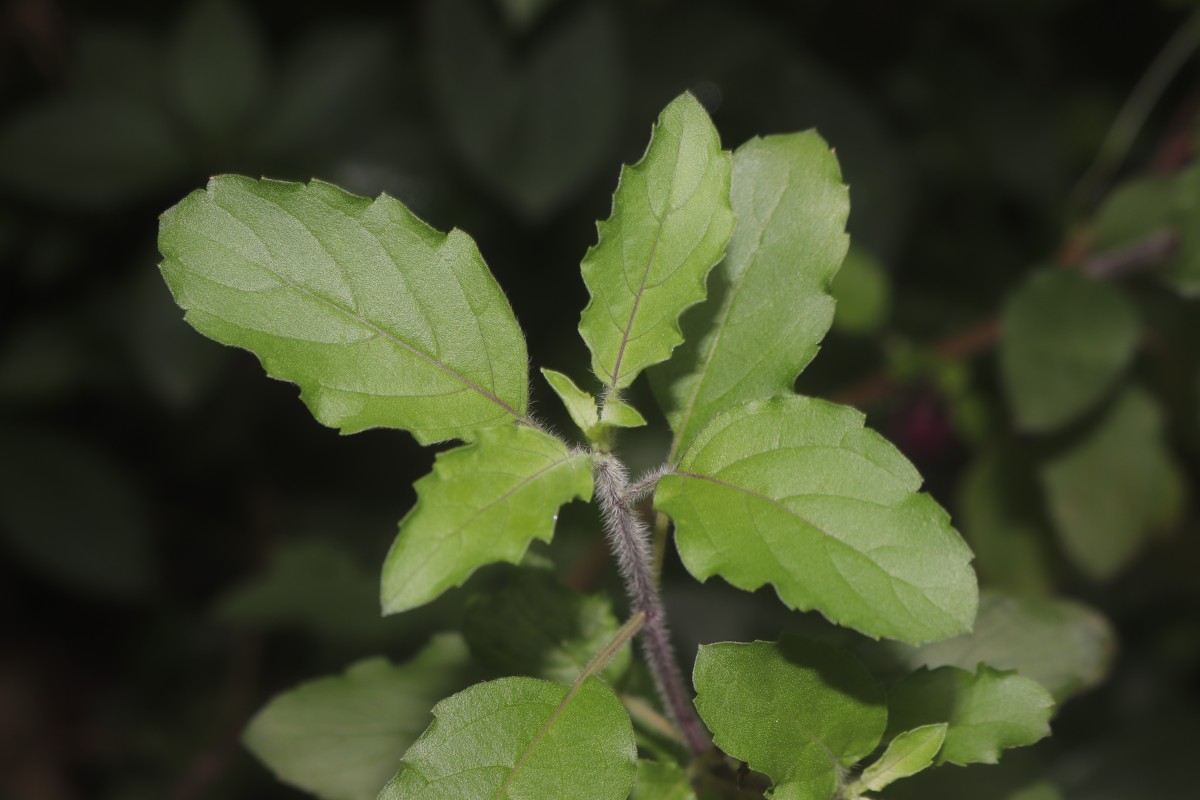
<point>629,539</point>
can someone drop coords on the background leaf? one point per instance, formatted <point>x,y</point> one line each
<point>533,119</point>
<point>219,68</point>
<point>1109,492</point>
<point>342,737</point>
<point>769,303</point>
<point>314,585</point>
<point>797,493</point>
<point>382,320</point>
<point>74,514</point>
<point>659,780</point>
<point>987,711</point>
<point>670,221</point>
<point>1183,269</point>
<point>521,737</point>
<point>863,291</point>
<point>535,626</point>
<point>1002,515</point>
<point>1064,340</point>
<point>483,502</point>
<point>797,710</point>
<point>1157,205</point>
<point>89,152</point>
<point>1063,645</point>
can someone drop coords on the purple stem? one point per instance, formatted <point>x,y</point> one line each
<point>629,539</point>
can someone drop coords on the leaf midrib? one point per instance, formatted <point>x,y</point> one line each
<point>641,290</point>
<point>544,731</point>
<point>508,493</point>
<point>721,324</point>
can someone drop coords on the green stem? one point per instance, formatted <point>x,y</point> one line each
<point>623,635</point>
<point>662,532</point>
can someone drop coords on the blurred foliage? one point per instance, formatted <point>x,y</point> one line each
<point>179,542</point>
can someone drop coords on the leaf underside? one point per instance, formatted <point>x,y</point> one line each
<point>797,493</point>
<point>769,301</point>
<point>483,502</point>
<point>522,738</point>
<point>670,222</point>
<point>381,320</point>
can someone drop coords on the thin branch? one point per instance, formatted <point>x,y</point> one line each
<point>1132,116</point>
<point>983,336</point>
<point>638,491</point>
<point>641,711</point>
<point>1118,263</point>
<point>623,635</point>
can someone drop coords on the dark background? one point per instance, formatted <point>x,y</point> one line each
<point>179,540</point>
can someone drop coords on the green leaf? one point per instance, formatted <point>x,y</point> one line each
<point>380,319</point>
<point>906,755</point>
<point>579,404</point>
<point>670,222</point>
<point>796,710</point>
<point>342,737</point>
<point>769,304</point>
<point>483,502</point>
<point>534,118</point>
<point>797,493</point>
<point>595,425</point>
<point>1114,489</point>
<point>522,737</point>
<point>863,294</point>
<point>1065,646</point>
<point>620,414</point>
<point>536,626</point>
<point>658,780</point>
<point>987,711</point>
<point>1064,340</point>
<point>219,70</point>
<point>1002,517</point>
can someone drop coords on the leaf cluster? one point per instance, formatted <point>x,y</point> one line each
<point>384,322</point>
